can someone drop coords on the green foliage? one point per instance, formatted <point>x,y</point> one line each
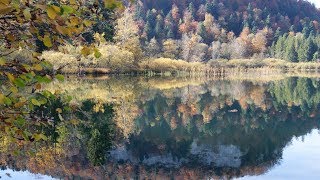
<point>98,130</point>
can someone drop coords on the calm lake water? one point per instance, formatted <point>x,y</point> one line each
<point>181,128</point>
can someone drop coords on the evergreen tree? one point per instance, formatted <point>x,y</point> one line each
<point>202,32</point>
<point>316,56</point>
<point>277,34</point>
<point>192,10</point>
<point>150,17</point>
<point>148,31</point>
<point>290,51</point>
<point>268,21</point>
<point>170,34</point>
<point>279,47</point>
<point>139,12</point>
<point>169,25</point>
<point>159,33</point>
<point>306,30</point>
<point>212,8</point>
<point>309,48</point>
<point>300,49</point>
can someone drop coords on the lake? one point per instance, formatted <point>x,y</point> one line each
<point>125,127</point>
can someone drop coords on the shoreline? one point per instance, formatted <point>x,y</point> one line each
<point>166,67</point>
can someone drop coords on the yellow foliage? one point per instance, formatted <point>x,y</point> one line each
<point>166,64</point>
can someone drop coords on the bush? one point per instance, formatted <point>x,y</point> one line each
<point>69,59</point>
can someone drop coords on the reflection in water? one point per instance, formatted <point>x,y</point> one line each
<point>172,127</point>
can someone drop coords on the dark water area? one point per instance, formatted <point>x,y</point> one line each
<point>178,128</point>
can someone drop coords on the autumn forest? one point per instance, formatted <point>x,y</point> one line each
<point>159,89</point>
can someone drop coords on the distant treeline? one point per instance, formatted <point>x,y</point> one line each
<point>197,31</point>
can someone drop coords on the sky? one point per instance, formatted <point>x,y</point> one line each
<point>316,2</point>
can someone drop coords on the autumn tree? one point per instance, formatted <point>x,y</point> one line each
<point>171,49</point>
<point>127,34</point>
<point>153,48</point>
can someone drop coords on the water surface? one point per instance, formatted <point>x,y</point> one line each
<point>161,127</point>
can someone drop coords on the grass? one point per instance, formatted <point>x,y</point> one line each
<point>270,63</point>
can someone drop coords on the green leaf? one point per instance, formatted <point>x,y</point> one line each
<point>38,137</point>
<point>97,54</point>
<point>20,122</point>
<point>47,41</point>
<point>67,9</point>
<point>60,77</point>
<point>43,101</point>
<point>7,101</point>
<point>35,102</point>
<point>27,14</point>
<point>19,82</point>
<point>47,94</point>
<point>43,79</point>
<point>25,136</point>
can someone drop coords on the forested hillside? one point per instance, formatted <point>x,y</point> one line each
<point>197,31</point>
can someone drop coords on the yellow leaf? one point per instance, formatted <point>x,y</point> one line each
<point>27,14</point>
<point>61,29</point>
<point>5,2</point>
<point>73,2</point>
<point>74,122</point>
<point>10,37</point>
<point>38,86</point>
<point>2,62</point>
<point>56,8</point>
<point>85,51</point>
<point>2,98</point>
<point>51,12</point>
<point>87,23</point>
<point>14,89</point>
<point>10,77</point>
<point>47,41</point>
<point>74,21</point>
<point>5,9</point>
<point>59,110</point>
<point>19,104</point>
<point>37,67</point>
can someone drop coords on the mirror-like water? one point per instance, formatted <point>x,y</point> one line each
<point>135,127</point>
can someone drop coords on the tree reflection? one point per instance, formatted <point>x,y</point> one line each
<point>216,128</point>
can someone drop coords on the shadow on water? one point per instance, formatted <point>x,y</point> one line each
<point>134,127</point>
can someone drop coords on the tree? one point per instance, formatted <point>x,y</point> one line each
<point>171,49</point>
<point>169,26</point>
<point>159,33</point>
<point>202,31</point>
<point>306,50</point>
<point>215,50</point>
<point>148,31</point>
<point>153,48</point>
<point>280,47</point>
<point>127,34</point>
<point>290,52</point>
<point>259,42</point>
<point>192,10</point>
